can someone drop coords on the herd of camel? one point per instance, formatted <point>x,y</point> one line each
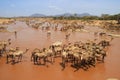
<point>56,25</point>
<point>78,53</point>
<point>11,53</point>
<point>73,25</point>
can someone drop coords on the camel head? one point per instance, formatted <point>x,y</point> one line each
<point>12,50</point>
<point>26,49</point>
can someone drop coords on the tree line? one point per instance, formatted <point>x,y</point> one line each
<point>102,17</point>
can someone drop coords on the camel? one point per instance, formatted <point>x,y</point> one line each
<point>100,54</point>
<point>38,56</point>
<point>3,46</point>
<point>64,56</point>
<point>15,53</point>
<point>71,26</point>
<point>76,58</point>
<point>81,55</point>
<point>88,58</point>
<point>67,36</point>
<point>58,50</point>
<point>72,53</point>
<point>104,43</point>
<point>19,53</point>
<point>10,55</point>
<point>48,33</point>
<point>50,53</point>
<point>36,50</point>
<point>57,47</point>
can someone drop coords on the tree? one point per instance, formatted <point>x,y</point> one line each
<point>105,16</point>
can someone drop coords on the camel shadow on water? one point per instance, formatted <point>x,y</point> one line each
<point>13,62</point>
<point>77,67</point>
<point>42,63</point>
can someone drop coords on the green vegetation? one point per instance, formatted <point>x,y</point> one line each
<point>102,17</point>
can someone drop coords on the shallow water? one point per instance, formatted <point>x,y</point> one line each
<point>32,38</point>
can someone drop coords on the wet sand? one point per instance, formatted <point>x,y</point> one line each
<point>32,38</point>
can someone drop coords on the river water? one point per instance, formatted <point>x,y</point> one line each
<point>31,38</point>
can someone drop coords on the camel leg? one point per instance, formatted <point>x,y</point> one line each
<point>74,61</point>
<point>34,59</point>
<point>13,59</point>
<point>103,56</point>
<point>0,53</point>
<point>45,60</point>
<point>7,59</point>
<point>63,63</point>
<point>53,59</point>
<point>92,61</point>
<point>38,60</point>
<point>20,58</point>
<point>32,56</point>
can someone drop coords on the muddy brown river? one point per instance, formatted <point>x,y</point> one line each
<point>31,38</point>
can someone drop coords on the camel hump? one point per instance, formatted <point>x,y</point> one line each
<point>64,53</point>
<point>76,55</point>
